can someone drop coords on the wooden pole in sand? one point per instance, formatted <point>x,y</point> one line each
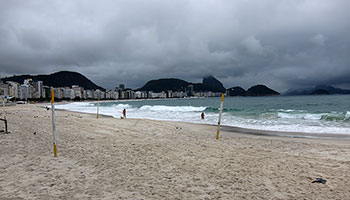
<point>4,111</point>
<point>221,106</point>
<point>53,123</point>
<point>98,106</point>
<point>3,106</point>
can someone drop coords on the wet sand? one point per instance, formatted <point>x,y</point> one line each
<point>109,158</point>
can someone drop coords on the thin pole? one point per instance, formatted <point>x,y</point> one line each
<point>3,107</point>
<point>53,123</point>
<point>221,106</point>
<point>6,126</point>
<point>98,106</point>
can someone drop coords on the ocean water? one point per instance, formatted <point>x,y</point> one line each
<point>308,114</point>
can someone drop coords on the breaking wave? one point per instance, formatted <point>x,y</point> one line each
<point>172,108</point>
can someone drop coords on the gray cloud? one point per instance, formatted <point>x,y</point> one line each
<point>283,44</point>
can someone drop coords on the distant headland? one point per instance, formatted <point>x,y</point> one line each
<point>318,90</point>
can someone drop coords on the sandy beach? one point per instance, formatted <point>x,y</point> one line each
<point>109,158</point>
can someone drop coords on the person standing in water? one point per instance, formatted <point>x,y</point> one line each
<point>124,113</point>
<point>202,115</point>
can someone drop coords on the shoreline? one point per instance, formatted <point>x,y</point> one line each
<point>286,134</point>
<point>249,131</point>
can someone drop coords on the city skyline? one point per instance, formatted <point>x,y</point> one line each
<point>37,90</point>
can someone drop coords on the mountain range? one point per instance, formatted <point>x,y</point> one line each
<point>209,83</point>
<point>256,90</point>
<point>320,89</point>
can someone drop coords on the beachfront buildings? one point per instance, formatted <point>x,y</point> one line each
<point>36,90</point>
<point>4,89</point>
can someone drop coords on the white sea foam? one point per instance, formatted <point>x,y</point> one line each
<point>172,108</point>
<point>347,115</point>
<point>307,116</point>
<point>121,106</point>
<point>287,120</point>
<point>286,110</point>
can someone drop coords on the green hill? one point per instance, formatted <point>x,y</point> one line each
<point>58,79</point>
<point>261,90</point>
<point>209,84</point>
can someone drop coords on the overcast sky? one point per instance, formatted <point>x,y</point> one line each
<point>281,43</point>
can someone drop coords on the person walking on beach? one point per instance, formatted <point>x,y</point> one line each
<point>124,113</point>
<point>202,115</point>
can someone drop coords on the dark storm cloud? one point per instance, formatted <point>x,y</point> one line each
<point>283,44</point>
